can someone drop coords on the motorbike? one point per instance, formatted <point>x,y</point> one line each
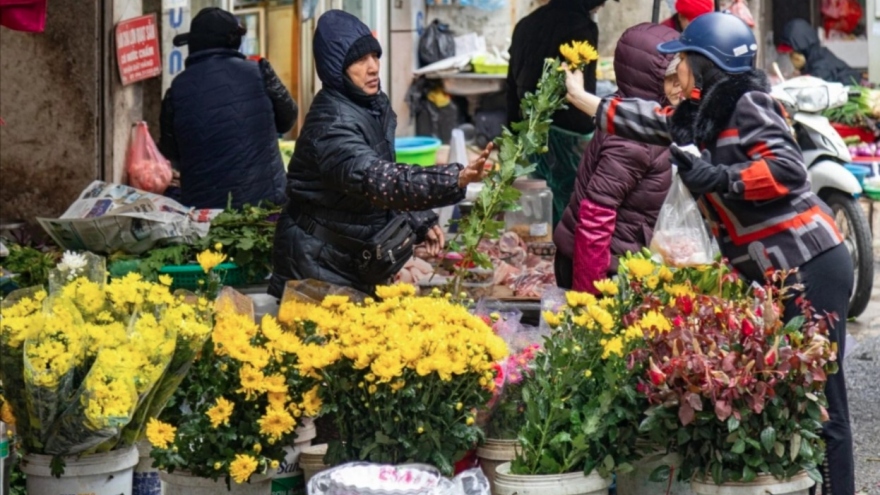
<point>825,154</point>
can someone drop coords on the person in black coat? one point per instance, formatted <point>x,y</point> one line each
<point>221,119</point>
<point>343,184</point>
<point>811,58</point>
<point>535,38</point>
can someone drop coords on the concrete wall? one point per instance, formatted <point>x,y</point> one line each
<point>50,94</point>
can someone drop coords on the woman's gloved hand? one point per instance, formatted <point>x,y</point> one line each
<point>698,172</point>
<point>476,170</point>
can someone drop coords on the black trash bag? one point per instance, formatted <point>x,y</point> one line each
<point>488,124</point>
<point>430,119</point>
<point>437,43</point>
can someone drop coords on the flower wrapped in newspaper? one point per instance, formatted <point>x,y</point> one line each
<point>86,361</point>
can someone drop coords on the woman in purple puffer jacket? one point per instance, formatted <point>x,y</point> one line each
<point>621,184</point>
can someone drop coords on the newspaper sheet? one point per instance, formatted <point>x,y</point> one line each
<point>111,217</point>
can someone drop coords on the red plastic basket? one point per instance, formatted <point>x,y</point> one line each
<point>845,131</point>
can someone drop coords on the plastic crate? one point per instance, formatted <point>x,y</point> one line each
<point>483,67</point>
<point>188,276</point>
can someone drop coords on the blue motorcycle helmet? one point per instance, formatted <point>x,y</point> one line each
<point>722,38</point>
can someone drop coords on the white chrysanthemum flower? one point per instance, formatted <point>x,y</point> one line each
<point>72,262</point>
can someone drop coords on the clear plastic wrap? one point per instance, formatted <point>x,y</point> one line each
<point>680,235</point>
<point>408,479</point>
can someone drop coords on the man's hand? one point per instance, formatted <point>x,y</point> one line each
<point>476,170</point>
<point>175,179</point>
<point>435,241</point>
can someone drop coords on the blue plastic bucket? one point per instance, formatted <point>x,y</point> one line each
<point>859,172</point>
<point>418,150</point>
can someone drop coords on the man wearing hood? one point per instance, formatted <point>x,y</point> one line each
<point>621,184</point>
<point>221,118</point>
<point>345,190</point>
<point>809,57</point>
<point>536,38</point>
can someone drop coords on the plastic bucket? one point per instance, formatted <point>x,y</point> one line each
<point>146,478</point>
<point>495,453</point>
<point>288,479</point>
<point>95,474</point>
<point>550,484</point>
<point>182,483</point>
<point>305,433</point>
<point>637,481</point>
<point>311,460</point>
<point>419,150</point>
<point>798,485</point>
<point>860,173</point>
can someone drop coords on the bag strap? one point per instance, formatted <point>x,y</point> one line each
<point>308,224</point>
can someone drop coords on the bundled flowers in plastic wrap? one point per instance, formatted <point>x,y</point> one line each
<point>84,363</point>
<point>402,376</point>
<point>238,407</point>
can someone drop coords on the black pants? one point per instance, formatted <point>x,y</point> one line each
<point>828,281</point>
<point>563,267</point>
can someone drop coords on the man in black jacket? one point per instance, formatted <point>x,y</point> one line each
<point>221,119</point>
<point>343,184</point>
<point>536,38</point>
<point>811,58</point>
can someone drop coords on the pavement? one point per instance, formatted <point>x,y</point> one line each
<point>862,367</point>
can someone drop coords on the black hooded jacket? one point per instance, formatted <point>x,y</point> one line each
<point>343,175</point>
<point>821,63</point>
<point>537,37</point>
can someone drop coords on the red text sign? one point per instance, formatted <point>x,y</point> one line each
<point>137,49</point>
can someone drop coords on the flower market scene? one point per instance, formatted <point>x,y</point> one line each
<point>439,247</point>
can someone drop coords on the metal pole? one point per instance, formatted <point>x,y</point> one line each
<point>655,16</point>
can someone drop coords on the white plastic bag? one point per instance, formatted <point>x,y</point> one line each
<point>680,236</point>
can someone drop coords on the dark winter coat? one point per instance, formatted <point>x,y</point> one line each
<point>821,63</point>
<point>220,122</point>
<point>621,184</point>
<point>343,175</point>
<point>757,197</point>
<point>537,37</point>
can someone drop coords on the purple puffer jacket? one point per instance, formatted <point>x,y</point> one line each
<point>620,184</point>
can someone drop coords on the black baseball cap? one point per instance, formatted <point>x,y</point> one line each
<point>212,27</point>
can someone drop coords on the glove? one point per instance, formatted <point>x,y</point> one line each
<point>698,173</point>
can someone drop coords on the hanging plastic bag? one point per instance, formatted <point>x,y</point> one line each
<point>147,169</point>
<point>437,43</point>
<point>740,9</point>
<point>680,236</point>
<point>841,15</point>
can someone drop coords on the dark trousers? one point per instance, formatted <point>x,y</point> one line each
<point>828,281</point>
<point>563,267</point>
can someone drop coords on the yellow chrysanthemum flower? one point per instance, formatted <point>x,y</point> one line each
<point>679,290</point>
<point>220,413</point>
<point>276,423</point>
<point>639,268</point>
<point>652,281</point>
<point>654,320</point>
<point>166,280</point>
<point>242,468</point>
<point>580,299</point>
<point>210,259</point>
<point>607,287</point>
<point>160,434</point>
<point>552,319</point>
<point>6,413</point>
<point>613,346</point>
<point>570,54</point>
<point>665,274</point>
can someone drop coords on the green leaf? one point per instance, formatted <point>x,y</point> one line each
<point>625,468</point>
<point>608,462</point>
<point>660,474</point>
<point>732,423</point>
<point>683,436</point>
<point>795,446</point>
<point>814,474</point>
<point>739,447</point>
<point>768,438</point>
<point>749,474</point>
<point>779,449</point>
<point>794,324</point>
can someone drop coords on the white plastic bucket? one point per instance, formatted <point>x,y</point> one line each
<point>493,454</point>
<point>95,474</point>
<point>182,483</point>
<point>311,461</point>
<point>798,485</point>
<point>551,484</point>
<point>288,479</point>
<point>146,478</point>
<point>637,481</point>
<point>305,433</point>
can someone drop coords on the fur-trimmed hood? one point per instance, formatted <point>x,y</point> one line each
<point>700,122</point>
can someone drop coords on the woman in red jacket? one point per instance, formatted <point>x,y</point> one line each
<point>620,184</point>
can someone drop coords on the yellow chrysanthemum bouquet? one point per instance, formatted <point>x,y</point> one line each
<point>238,407</point>
<point>87,362</point>
<point>402,376</point>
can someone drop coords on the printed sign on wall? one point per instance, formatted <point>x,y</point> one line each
<point>137,49</point>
